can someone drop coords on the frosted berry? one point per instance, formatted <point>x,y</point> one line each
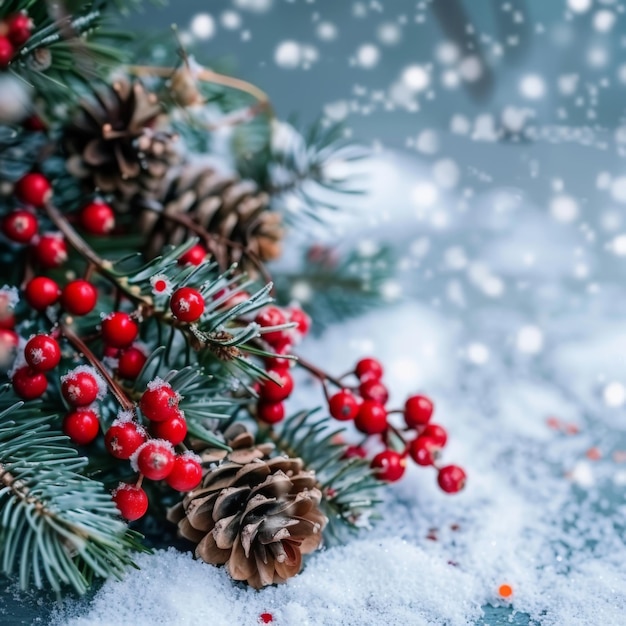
<point>119,330</point>
<point>123,438</point>
<point>186,473</point>
<point>50,251</point>
<point>451,478</point>
<point>194,256</point>
<point>371,418</point>
<point>435,432</point>
<point>20,226</point>
<point>155,459</point>
<point>301,319</point>
<point>367,369</point>
<point>270,412</point>
<point>28,384</point>
<point>131,501</point>
<point>34,189</point>
<point>389,465</point>
<point>42,353</point>
<point>159,402</point>
<point>372,389</point>
<point>19,27</point>
<point>79,297</point>
<point>187,304</point>
<point>81,426</point>
<point>130,363</point>
<point>272,316</point>
<point>6,52</point>
<point>343,405</point>
<point>97,218</point>
<point>417,411</point>
<point>173,429</point>
<point>424,450</point>
<point>79,388</point>
<point>278,361</point>
<point>41,292</point>
<point>271,391</point>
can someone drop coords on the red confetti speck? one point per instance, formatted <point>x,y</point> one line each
<point>266,618</point>
<point>160,285</point>
<point>593,454</point>
<point>506,591</point>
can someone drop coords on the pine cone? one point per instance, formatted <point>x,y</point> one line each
<point>112,143</point>
<point>257,515</point>
<point>225,206</point>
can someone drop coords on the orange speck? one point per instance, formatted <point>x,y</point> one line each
<point>506,591</point>
<point>571,429</point>
<point>593,454</point>
<point>554,423</point>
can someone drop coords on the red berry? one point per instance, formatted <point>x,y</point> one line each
<point>371,418</point>
<point>451,478</point>
<point>130,363</point>
<point>186,473</point>
<point>7,320</point>
<point>424,450</point>
<point>42,353</point>
<point>19,28</point>
<point>266,618</point>
<point>34,189</point>
<point>343,405</point>
<point>371,389</point>
<point>389,465</point>
<point>187,304</point>
<point>79,387</point>
<point>50,251</point>
<point>8,338</point>
<point>20,226</point>
<point>119,330</point>
<point>79,297</point>
<point>97,218</point>
<point>358,452</point>
<point>159,401</point>
<point>271,391</point>
<point>41,292</point>
<point>155,459</point>
<point>81,426</point>
<point>123,438</point>
<point>173,429</point>
<point>435,432</point>
<point>28,384</point>
<point>131,501</point>
<point>368,369</point>
<point>270,412</point>
<point>34,123</point>
<point>278,362</point>
<point>300,318</point>
<point>6,51</point>
<point>194,256</point>
<point>417,411</point>
<point>272,316</point>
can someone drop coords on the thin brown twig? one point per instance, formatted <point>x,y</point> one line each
<point>82,348</point>
<point>318,372</point>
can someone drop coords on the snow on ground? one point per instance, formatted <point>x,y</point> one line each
<point>514,325</point>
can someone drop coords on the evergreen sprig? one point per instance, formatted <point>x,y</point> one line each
<point>56,525</point>
<point>348,485</point>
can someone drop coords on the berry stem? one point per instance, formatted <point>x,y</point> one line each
<point>318,373</point>
<point>82,348</point>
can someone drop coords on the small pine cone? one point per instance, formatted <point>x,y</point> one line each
<point>225,206</point>
<point>256,515</point>
<point>39,60</point>
<point>113,146</point>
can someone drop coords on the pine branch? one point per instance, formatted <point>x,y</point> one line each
<point>57,525</point>
<point>350,490</point>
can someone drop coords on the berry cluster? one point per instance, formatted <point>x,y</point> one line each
<point>151,450</point>
<point>21,225</point>
<point>273,392</point>
<point>15,30</point>
<point>78,297</point>
<point>421,440</point>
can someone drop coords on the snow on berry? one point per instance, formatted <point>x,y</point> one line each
<point>161,285</point>
<point>42,353</point>
<point>187,304</point>
<point>83,385</point>
<point>154,459</point>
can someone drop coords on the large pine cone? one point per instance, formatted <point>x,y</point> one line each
<point>112,143</point>
<point>257,515</point>
<point>235,214</point>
